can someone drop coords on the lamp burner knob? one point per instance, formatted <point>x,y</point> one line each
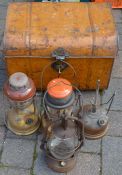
<point>62,163</point>
<point>102,121</point>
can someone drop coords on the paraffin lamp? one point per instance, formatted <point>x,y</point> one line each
<point>63,129</point>
<point>96,118</point>
<point>22,114</point>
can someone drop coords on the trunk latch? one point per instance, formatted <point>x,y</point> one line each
<point>60,54</point>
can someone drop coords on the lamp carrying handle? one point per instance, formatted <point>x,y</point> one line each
<point>60,54</point>
<point>82,136</point>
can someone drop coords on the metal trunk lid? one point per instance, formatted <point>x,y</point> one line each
<point>82,29</point>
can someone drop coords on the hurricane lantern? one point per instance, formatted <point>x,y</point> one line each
<point>22,115</point>
<point>63,129</point>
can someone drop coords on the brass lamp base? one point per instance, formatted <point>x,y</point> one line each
<point>60,166</point>
<point>21,130</point>
<point>90,135</point>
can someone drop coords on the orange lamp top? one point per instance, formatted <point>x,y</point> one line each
<point>59,88</point>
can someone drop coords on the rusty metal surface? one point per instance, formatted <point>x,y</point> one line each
<point>80,28</point>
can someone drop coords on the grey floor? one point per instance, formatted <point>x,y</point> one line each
<point>22,156</point>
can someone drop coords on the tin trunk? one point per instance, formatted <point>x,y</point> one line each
<point>35,30</point>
